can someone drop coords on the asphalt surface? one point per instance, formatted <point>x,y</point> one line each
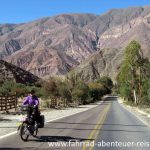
<point>107,126</point>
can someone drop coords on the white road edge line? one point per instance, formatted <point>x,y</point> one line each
<point>15,132</point>
<point>139,118</point>
<point>9,134</point>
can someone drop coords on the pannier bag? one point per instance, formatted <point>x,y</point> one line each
<point>41,121</point>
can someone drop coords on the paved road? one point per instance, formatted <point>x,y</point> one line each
<point>123,127</point>
<point>105,123</point>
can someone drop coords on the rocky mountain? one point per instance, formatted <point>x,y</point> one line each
<point>102,63</point>
<point>130,24</point>
<point>47,46</point>
<point>56,45</point>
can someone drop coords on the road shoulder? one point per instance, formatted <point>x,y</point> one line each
<point>140,114</point>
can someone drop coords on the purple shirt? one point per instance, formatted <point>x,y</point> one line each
<point>32,101</point>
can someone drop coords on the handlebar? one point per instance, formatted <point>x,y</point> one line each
<point>25,108</point>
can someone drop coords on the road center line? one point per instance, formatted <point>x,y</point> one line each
<point>95,131</point>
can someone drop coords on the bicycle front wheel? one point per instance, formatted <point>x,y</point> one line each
<point>24,132</point>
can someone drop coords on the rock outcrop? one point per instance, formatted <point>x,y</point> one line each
<point>11,72</point>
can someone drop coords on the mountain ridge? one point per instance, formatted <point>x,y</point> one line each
<point>56,45</point>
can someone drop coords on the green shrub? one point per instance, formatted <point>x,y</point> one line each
<point>96,91</point>
<point>50,88</point>
<point>146,92</point>
<point>64,90</point>
<point>81,92</point>
<point>106,81</point>
<point>8,87</point>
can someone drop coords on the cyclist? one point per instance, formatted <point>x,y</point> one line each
<point>32,100</point>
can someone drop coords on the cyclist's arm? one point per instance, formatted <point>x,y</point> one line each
<point>36,102</point>
<point>26,101</point>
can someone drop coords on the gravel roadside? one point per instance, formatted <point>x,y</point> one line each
<point>140,114</point>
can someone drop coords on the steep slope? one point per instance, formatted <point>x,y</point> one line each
<point>102,63</point>
<point>56,45</point>
<point>119,36</point>
<point>116,17</point>
<point>113,36</point>
<point>60,37</point>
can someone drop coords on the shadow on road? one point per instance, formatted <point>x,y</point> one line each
<point>49,139</point>
<point>3,119</point>
<point>110,99</point>
<point>59,139</point>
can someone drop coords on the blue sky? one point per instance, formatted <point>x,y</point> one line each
<point>18,11</point>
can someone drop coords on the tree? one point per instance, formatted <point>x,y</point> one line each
<point>132,59</point>
<point>64,89</point>
<point>96,91</point>
<point>133,70</point>
<point>125,91</point>
<point>146,91</point>
<point>124,81</point>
